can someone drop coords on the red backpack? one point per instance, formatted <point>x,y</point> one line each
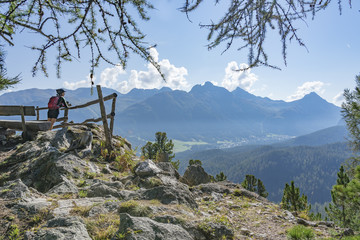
<point>52,104</point>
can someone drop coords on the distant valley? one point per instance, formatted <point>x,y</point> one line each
<point>312,161</point>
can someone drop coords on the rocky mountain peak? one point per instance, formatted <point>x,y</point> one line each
<point>66,185</point>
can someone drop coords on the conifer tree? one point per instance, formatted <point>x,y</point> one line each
<point>109,28</point>
<point>161,145</point>
<point>292,200</point>
<point>353,192</point>
<point>261,189</point>
<point>247,22</point>
<point>149,151</point>
<point>253,184</point>
<point>345,206</point>
<point>250,183</point>
<point>196,161</point>
<point>351,113</point>
<point>339,210</point>
<point>220,177</point>
<point>5,81</point>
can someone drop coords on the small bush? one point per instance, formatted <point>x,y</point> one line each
<point>13,232</point>
<point>83,193</point>
<point>89,175</point>
<point>237,193</point>
<point>82,183</point>
<point>300,232</point>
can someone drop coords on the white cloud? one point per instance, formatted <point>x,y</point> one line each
<point>154,54</point>
<point>338,99</point>
<point>306,88</point>
<point>149,79</point>
<point>109,77</point>
<point>233,79</point>
<point>79,84</point>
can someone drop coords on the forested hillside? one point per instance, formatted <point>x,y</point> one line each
<point>312,168</point>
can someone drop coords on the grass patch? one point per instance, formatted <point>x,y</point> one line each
<point>357,237</point>
<point>134,208</point>
<point>300,232</point>
<point>103,226</point>
<point>81,210</point>
<point>155,182</point>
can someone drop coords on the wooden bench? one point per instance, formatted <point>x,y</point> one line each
<point>29,128</point>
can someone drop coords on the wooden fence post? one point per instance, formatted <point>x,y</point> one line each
<point>112,114</point>
<point>23,119</point>
<point>66,114</point>
<point>104,118</point>
<point>37,113</point>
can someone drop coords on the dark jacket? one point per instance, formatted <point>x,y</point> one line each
<point>62,103</point>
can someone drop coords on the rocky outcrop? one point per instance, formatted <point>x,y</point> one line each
<point>65,185</point>
<point>145,228</point>
<point>195,175</point>
<point>170,195</point>
<point>61,228</point>
<point>146,169</point>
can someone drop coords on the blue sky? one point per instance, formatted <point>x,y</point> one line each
<point>327,66</point>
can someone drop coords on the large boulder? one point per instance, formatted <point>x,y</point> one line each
<point>170,195</point>
<point>195,175</point>
<point>146,169</point>
<point>14,190</point>
<point>143,228</point>
<point>64,187</point>
<point>168,169</point>
<point>61,228</point>
<point>49,169</point>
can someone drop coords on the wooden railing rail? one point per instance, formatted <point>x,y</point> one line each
<point>104,117</point>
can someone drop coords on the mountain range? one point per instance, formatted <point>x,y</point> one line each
<point>208,113</point>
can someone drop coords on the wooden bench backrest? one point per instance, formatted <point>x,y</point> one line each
<point>16,110</point>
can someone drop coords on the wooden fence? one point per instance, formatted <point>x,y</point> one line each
<point>104,117</point>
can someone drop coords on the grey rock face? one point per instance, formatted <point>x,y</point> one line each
<point>306,223</point>
<point>142,228</point>
<point>49,170</point>
<point>218,231</point>
<point>14,189</point>
<point>168,169</point>
<point>64,207</point>
<point>195,175</point>
<point>63,228</point>
<point>210,188</point>
<point>31,206</point>
<point>105,189</point>
<point>102,190</point>
<point>66,186</point>
<point>170,195</point>
<point>146,169</point>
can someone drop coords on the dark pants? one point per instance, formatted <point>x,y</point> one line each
<point>53,113</point>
